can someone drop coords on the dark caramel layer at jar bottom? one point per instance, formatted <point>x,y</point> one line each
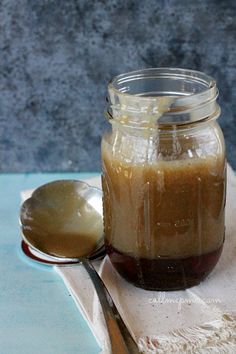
<point>164,273</point>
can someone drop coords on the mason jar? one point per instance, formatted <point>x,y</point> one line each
<point>163,178</point>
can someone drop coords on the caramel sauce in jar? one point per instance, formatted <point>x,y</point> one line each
<point>164,200</point>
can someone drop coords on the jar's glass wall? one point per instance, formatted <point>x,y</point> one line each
<point>164,199</point>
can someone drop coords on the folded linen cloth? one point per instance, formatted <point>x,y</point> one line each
<point>201,319</point>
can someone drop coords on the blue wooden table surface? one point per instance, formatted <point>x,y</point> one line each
<point>37,314</point>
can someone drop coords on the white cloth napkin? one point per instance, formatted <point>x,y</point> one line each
<point>201,319</point>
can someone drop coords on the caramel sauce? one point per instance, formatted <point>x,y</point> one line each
<point>65,245</point>
<point>59,221</point>
<point>164,214</point>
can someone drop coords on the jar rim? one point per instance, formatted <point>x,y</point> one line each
<point>164,72</point>
<point>194,94</point>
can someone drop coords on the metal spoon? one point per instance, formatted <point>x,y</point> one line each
<point>63,220</point>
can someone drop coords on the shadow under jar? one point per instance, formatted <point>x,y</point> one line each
<point>164,178</point>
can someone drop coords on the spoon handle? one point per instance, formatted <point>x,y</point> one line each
<point>120,338</point>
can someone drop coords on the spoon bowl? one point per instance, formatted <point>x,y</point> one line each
<point>63,219</point>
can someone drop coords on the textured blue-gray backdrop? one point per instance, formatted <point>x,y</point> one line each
<point>56,57</point>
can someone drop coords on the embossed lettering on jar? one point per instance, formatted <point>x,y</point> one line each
<point>163,178</point>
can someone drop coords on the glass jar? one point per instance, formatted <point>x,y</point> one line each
<point>164,178</point>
